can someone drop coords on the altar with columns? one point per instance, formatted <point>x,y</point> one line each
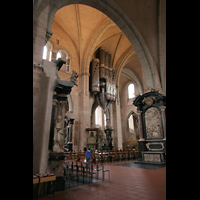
<point>151,109</point>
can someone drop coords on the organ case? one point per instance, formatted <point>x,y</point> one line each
<point>95,75</point>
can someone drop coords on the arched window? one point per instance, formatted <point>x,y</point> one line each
<point>98,116</point>
<point>63,54</point>
<point>47,51</point>
<point>104,120</point>
<point>67,63</point>
<point>44,52</point>
<point>58,55</point>
<point>131,91</point>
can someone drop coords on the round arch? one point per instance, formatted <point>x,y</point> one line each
<point>130,113</point>
<point>93,108</point>
<point>127,117</point>
<point>110,9</point>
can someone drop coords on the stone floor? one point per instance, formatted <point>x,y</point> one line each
<point>127,181</point>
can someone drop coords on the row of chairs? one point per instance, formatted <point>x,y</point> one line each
<point>80,172</point>
<point>104,156</point>
<point>112,157</point>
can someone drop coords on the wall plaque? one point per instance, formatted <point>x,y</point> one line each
<point>91,140</point>
<point>154,146</point>
<point>152,157</point>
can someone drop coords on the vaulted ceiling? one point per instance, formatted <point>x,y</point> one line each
<point>80,28</point>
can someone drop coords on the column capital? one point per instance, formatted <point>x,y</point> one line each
<point>162,108</point>
<point>63,103</point>
<point>54,50</point>
<point>48,36</point>
<point>55,102</point>
<point>53,55</point>
<point>139,112</point>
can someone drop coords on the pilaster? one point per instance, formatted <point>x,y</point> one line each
<point>163,120</point>
<point>140,125</point>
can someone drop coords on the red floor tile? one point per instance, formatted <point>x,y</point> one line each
<point>125,183</point>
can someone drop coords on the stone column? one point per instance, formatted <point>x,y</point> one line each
<point>53,56</point>
<point>163,120</point>
<point>41,129</point>
<point>55,113</point>
<point>70,143</point>
<point>53,122</point>
<point>140,125</point>
<point>70,133</point>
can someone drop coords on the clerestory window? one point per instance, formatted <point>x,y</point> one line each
<point>131,91</point>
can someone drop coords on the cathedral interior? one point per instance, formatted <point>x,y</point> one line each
<point>99,78</point>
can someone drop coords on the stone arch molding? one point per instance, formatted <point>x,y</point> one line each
<point>110,9</point>
<point>93,108</point>
<point>128,115</point>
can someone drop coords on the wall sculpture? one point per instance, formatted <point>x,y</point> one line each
<point>151,109</point>
<point>153,123</point>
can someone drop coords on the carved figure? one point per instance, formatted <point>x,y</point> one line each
<point>58,136</point>
<point>74,77</point>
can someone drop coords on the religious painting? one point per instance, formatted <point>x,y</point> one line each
<point>153,123</point>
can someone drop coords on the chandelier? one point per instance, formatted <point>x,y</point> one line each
<point>102,79</point>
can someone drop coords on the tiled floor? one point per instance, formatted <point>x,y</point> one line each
<point>125,183</point>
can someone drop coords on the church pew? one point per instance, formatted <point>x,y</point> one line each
<point>68,155</point>
<point>125,155</point>
<point>112,155</point>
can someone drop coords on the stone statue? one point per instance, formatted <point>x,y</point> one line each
<point>58,140</point>
<point>58,136</point>
<point>74,77</point>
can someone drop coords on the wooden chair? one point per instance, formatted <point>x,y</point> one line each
<point>93,158</point>
<point>68,156</point>
<point>78,157</point>
<point>106,157</point>
<point>97,157</point>
<point>102,158</point>
<point>82,156</point>
<point>119,156</point>
<point>114,156</point>
<point>125,155</point>
<point>130,154</point>
<point>109,156</point>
